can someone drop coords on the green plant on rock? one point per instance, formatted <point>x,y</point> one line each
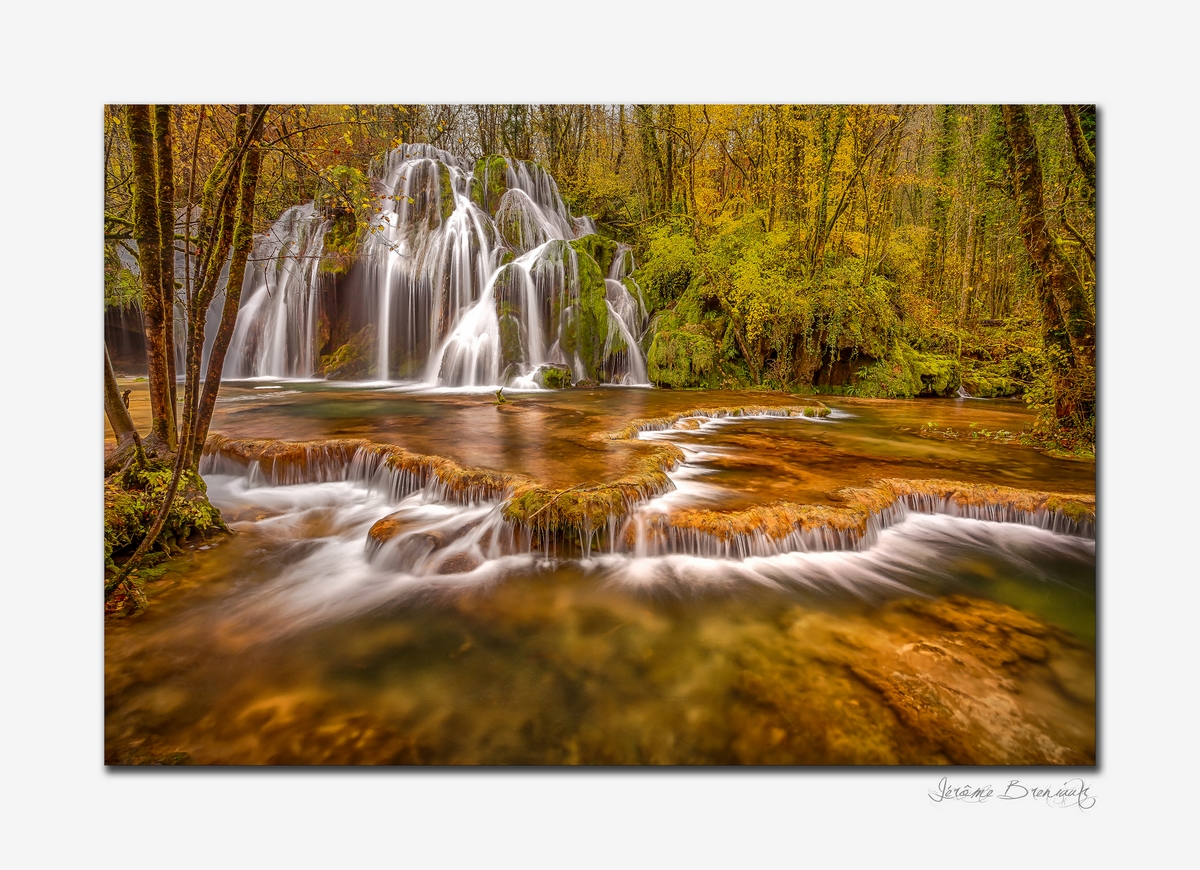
<point>681,354</point>
<point>133,497</point>
<point>353,360</point>
<point>671,262</point>
<point>597,247</point>
<point>345,199</point>
<point>906,373</point>
<point>490,182</point>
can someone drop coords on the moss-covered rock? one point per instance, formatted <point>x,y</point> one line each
<point>340,244</point>
<point>445,191</point>
<point>132,499</point>
<point>344,198</point>
<point>987,380</point>
<point>580,313</point>
<point>597,247</point>
<point>552,376</point>
<point>592,325</point>
<point>681,355</point>
<point>353,361</point>
<point>906,373</point>
<point>490,182</point>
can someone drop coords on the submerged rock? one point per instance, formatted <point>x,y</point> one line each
<point>955,680</point>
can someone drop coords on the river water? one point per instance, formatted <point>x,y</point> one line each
<point>942,639</point>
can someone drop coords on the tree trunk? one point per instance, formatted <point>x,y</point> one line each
<point>129,445</point>
<point>1068,325</point>
<point>165,184</point>
<point>243,239</point>
<point>1084,155</point>
<point>147,234</point>
<point>1058,285</point>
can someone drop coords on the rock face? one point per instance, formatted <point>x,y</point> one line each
<point>957,681</point>
<point>352,361</point>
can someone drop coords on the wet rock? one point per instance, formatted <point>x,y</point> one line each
<point>552,376</point>
<point>387,528</point>
<point>458,563</point>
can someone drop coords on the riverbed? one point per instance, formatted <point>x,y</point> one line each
<point>939,639</point>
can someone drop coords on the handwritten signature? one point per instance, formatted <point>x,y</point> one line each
<point>1072,793</point>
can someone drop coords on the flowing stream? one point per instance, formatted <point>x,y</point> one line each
<point>898,582</point>
<point>461,639</point>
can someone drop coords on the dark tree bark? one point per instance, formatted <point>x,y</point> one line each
<point>147,234</point>
<point>1084,155</point>
<point>1069,322</point>
<point>165,184</point>
<point>243,242</point>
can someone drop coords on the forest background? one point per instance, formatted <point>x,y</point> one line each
<point>874,250</point>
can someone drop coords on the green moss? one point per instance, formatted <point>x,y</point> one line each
<point>512,350</point>
<point>597,247</point>
<point>584,320</point>
<point>671,263</point>
<point>987,380</point>
<point>445,191</point>
<point>490,182</point>
<point>133,498</point>
<point>681,355</point>
<point>340,244</point>
<point>344,197</point>
<point>554,377</point>
<point>353,360</point>
<point>906,373</point>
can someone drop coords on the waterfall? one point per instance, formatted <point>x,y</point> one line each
<point>276,326</point>
<point>474,274</point>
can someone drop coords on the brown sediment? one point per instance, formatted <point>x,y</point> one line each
<point>590,508</point>
<point>781,519</point>
<point>297,461</point>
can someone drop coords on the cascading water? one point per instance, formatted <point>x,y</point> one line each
<point>476,275</point>
<point>277,323</point>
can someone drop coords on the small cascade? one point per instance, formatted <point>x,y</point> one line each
<point>475,275</point>
<point>276,327</point>
<point>645,528</point>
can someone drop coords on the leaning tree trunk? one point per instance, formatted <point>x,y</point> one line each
<point>221,233</point>
<point>243,240</point>
<point>129,445</point>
